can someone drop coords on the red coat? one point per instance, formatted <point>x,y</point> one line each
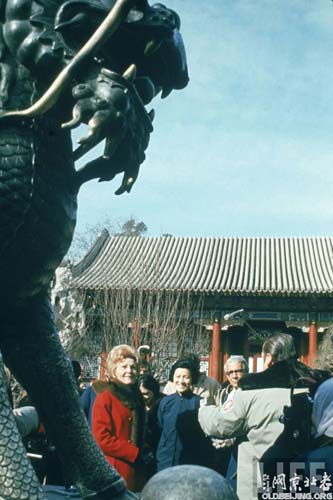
<point>112,429</point>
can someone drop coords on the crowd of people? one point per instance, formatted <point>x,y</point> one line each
<point>252,429</point>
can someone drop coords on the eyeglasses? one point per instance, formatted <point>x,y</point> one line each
<point>236,372</point>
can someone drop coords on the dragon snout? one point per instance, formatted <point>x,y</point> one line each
<point>181,76</point>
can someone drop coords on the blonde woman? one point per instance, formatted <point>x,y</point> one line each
<point>118,414</point>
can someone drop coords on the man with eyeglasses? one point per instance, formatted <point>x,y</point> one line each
<point>234,368</point>
<point>226,455</point>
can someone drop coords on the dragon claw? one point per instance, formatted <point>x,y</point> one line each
<point>74,122</point>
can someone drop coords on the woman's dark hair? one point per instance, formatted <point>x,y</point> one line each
<point>189,365</point>
<point>280,347</point>
<point>150,383</point>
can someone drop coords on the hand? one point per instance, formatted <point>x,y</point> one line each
<point>222,443</point>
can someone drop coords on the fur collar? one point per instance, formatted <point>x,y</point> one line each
<point>130,396</point>
<point>99,386</point>
<point>282,374</point>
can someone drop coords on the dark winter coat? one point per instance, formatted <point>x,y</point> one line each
<point>88,397</point>
<point>118,425</point>
<point>182,441</point>
<point>153,430</point>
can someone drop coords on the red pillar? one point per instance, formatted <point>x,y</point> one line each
<point>215,355</point>
<point>313,342</point>
<point>225,353</point>
<point>304,354</point>
<point>102,368</point>
<point>135,333</point>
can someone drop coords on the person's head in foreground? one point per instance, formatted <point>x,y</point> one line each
<point>188,482</point>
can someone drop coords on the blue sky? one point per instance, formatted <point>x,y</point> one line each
<point>247,148</point>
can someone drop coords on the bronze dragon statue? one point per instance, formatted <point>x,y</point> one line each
<point>63,63</point>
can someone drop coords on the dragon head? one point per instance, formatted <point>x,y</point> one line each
<point>119,54</point>
<point>149,37</point>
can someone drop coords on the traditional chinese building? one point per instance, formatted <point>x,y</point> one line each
<point>276,284</point>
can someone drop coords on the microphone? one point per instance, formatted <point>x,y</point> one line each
<point>239,312</point>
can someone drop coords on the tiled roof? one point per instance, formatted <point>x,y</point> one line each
<point>232,266</point>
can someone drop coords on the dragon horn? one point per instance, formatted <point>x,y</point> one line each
<point>110,24</point>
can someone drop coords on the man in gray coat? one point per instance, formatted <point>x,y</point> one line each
<point>254,412</point>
